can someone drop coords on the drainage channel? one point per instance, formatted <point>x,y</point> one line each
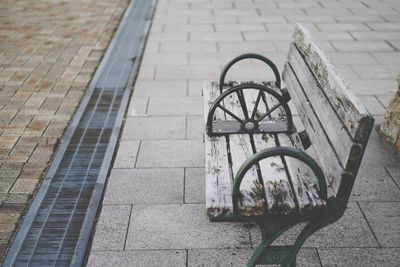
<point>57,226</point>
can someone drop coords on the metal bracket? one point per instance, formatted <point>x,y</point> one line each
<point>305,139</point>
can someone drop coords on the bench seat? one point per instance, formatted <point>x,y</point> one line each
<point>287,186</point>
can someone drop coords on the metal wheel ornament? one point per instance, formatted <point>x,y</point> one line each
<point>249,108</point>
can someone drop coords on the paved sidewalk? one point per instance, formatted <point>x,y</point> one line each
<point>48,53</point>
<point>153,211</point>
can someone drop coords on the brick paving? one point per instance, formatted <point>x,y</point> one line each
<point>48,53</point>
<point>153,212</point>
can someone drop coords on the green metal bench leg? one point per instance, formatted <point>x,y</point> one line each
<point>270,230</point>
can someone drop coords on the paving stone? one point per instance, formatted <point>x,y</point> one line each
<point>342,27</point>
<point>365,257</point>
<point>165,59</point>
<point>299,18</point>
<point>352,58</point>
<point>181,227</point>
<point>384,219</point>
<point>376,146</point>
<point>394,173</point>
<point>169,37</point>
<point>391,18</point>
<point>142,258</point>
<point>7,219</point>
<point>187,47</point>
<point>396,44</point>
<point>31,174</point>
<point>282,12</point>
<point>351,230</point>
<point>372,104</point>
<point>24,186</point>
<point>268,36</point>
<point>384,26</point>
<point>5,236</point>
<point>195,185</point>
<point>12,208</point>
<point>18,198</point>
<point>218,257</point>
<point>374,11</point>
<point>213,19</point>
<point>160,88</point>
<point>145,186</point>
<point>207,28</point>
<point>127,154</point>
<point>374,185</point>
<point>23,149</point>
<point>241,27</point>
<point>239,257</point>
<point>111,227</point>
<point>211,58</point>
<point>381,35</point>
<point>171,153</point>
<point>359,18</point>
<point>246,47</point>
<point>138,106</point>
<point>216,36</point>
<point>195,127</point>
<point>373,87</point>
<point>146,73</point>
<point>175,106</point>
<point>361,46</point>
<point>187,72</point>
<point>195,88</point>
<point>384,99</point>
<point>387,57</point>
<point>235,12</point>
<point>145,128</point>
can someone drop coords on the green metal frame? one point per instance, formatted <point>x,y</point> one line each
<point>272,227</point>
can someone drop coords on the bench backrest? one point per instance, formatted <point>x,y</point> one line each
<point>336,122</point>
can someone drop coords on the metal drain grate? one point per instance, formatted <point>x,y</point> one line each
<point>56,229</point>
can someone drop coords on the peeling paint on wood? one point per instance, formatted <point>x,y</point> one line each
<point>353,114</point>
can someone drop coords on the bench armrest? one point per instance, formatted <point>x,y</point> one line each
<point>278,151</point>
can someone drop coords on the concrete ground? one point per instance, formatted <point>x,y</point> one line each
<point>153,211</point>
<point>48,53</point>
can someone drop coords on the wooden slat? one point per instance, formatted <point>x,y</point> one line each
<point>351,112</point>
<point>218,174</point>
<point>278,192</point>
<point>252,200</point>
<point>252,197</point>
<point>279,195</point>
<point>303,179</point>
<point>327,116</point>
<point>326,155</point>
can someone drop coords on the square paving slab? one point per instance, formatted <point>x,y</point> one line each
<point>154,258</point>
<point>145,186</point>
<point>181,227</point>
<point>384,219</point>
<point>351,230</point>
<point>171,153</point>
<point>159,127</point>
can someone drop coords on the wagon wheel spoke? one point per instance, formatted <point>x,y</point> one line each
<point>240,95</point>
<point>268,113</point>
<point>230,113</point>
<point>253,114</point>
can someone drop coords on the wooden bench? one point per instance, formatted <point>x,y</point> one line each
<point>256,165</point>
